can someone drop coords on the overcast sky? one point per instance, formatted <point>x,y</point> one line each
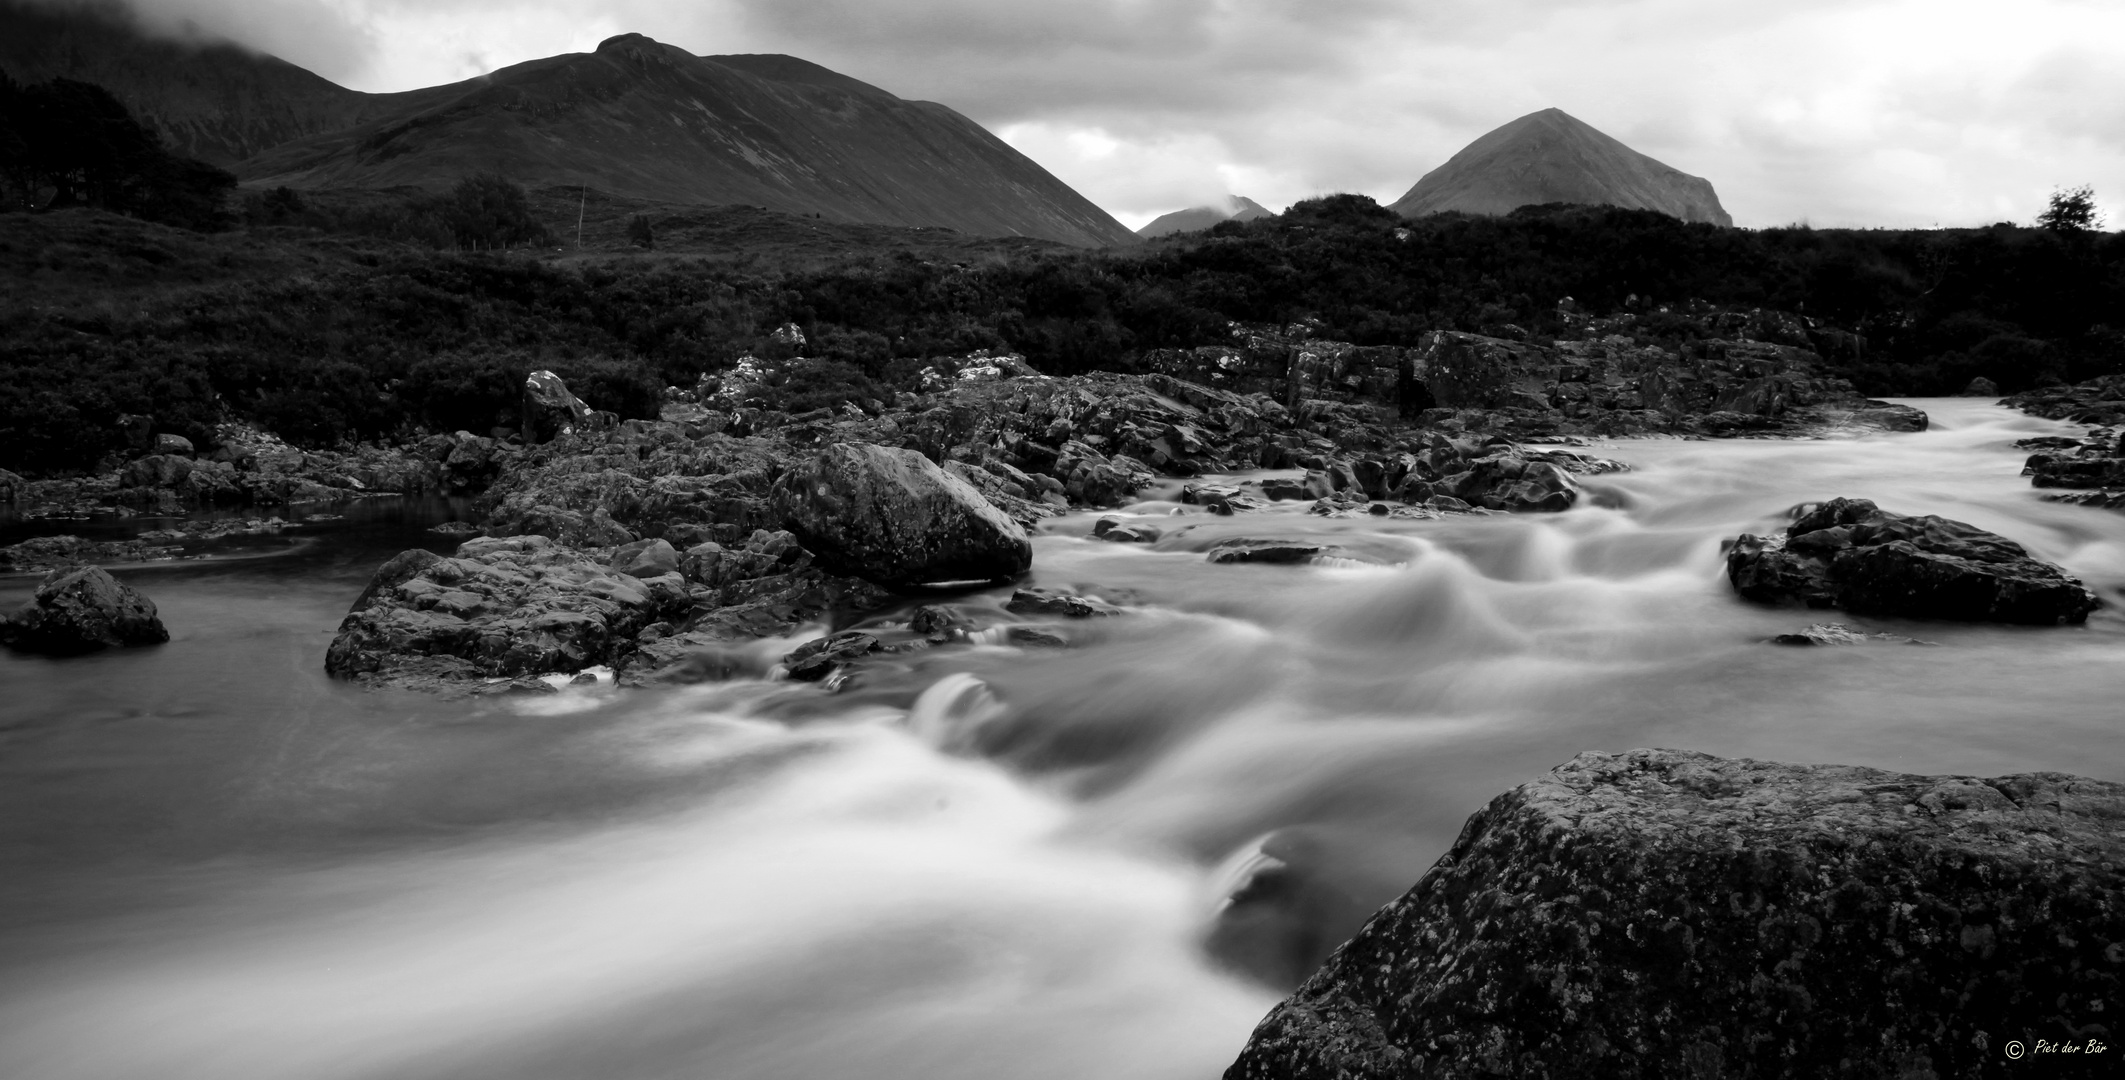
<point>1899,112</point>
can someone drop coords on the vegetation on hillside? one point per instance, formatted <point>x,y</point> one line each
<point>324,337</point>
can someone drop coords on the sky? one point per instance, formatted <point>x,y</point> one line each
<point>1854,113</point>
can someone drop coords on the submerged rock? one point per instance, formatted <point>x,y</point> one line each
<point>1838,634</point>
<point>1058,602</point>
<point>1251,550</point>
<point>1850,554</point>
<point>893,517</point>
<point>83,610</point>
<point>1668,913</point>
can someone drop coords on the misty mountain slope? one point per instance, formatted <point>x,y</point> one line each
<point>1198,218</point>
<point>215,102</point>
<point>648,120</point>
<point>1550,157</point>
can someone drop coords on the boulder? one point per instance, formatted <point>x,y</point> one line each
<point>549,409</point>
<point>83,610</point>
<point>1850,554</point>
<point>891,516</point>
<point>646,558</point>
<point>1981,387</point>
<point>814,660</point>
<point>1668,913</point>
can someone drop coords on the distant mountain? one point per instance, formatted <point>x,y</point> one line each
<point>214,102</point>
<point>642,119</point>
<point>1550,157</point>
<point>1197,218</point>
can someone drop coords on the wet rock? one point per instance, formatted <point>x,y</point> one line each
<point>550,410</point>
<point>505,607</point>
<point>1981,387</point>
<point>1058,603</point>
<point>2097,401</point>
<point>1662,912</point>
<point>893,517</point>
<point>46,553</point>
<point>173,444</point>
<point>456,529</point>
<point>1839,634</point>
<point>83,610</point>
<point>1850,554</point>
<point>814,660</point>
<point>1030,637</point>
<point>1133,533</point>
<point>1250,550</point>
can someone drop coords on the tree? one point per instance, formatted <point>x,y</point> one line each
<point>2071,210</point>
<point>638,233</point>
<point>80,144</point>
<point>487,212</point>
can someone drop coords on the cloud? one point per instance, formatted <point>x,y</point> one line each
<point>1889,112</point>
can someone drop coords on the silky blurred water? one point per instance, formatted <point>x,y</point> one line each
<point>985,862</point>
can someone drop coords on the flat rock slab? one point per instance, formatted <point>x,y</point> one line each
<point>1670,913</point>
<point>1251,550</point>
<point>1851,554</point>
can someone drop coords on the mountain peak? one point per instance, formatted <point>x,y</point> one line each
<point>1552,156</point>
<point>1196,218</point>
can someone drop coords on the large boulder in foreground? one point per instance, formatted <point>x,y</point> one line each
<point>83,610</point>
<point>1668,913</point>
<point>892,517</point>
<point>1851,554</point>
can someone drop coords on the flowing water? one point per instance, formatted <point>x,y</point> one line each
<point>985,862</point>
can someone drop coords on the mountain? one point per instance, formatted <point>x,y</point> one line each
<point>1197,218</point>
<point>648,120</point>
<point>215,102</point>
<point>1550,157</point>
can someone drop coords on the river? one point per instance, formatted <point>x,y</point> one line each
<point>215,863</point>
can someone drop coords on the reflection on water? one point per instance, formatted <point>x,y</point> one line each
<point>1103,861</point>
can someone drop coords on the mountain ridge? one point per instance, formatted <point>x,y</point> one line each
<point>1551,156</point>
<point>642,118</point>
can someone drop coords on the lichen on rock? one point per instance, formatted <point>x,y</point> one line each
<point>1670,913</point>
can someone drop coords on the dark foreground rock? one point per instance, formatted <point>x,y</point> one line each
<point>1850,554</point>
<point>83,610</point>
<point>893,517</point>
<point>2097,401</point>
<point>1668,913</point>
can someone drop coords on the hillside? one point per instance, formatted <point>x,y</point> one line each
<point>1198,218</point>
<point>1552,157</point>
<point>646,120</point>
<point>215,102</point>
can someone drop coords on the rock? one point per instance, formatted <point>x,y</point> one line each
<point>646,558</point>
<point>173,444</point>
<point>1888,417</point>
<point>47,553</point>
<point>458,529</point>
<point>814,660</point>
<point>549,409</point>
<point>893,517</point>
<point>2097,401</point>
<point>503,607</point>
<point>1850,554</point>
<point>1249,550</point>
<point>1057,602</point>
<point>1838,634</point>
<point>83,610</point>
<point>1732,918</point>
<point>1981,387</point>
<point>12,488</point>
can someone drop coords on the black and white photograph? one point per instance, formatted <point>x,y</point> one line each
<point>1062,539</point>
